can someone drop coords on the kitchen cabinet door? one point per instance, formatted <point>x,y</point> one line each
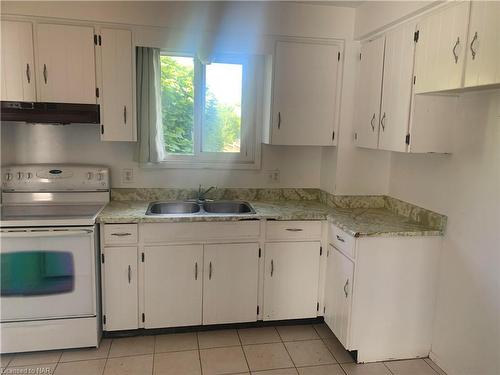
<point>117,108</point>
<point>338,291</point>
<point>230,283</point>
<point>305,93</point>
<point>17,61</point>
<point>173,285</point>
<point>441,48</point>
<point>397,88</point>
<point>369,91</point>
<point>120,293</point>
<point>66,64</point>
<point>483,54</point>
<point>291,280</point>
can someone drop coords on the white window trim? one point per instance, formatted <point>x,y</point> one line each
<point>250,155</point>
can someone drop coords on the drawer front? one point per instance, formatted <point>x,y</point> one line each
<point>342,241</point>
<point>200,232</point>
<point>293,230</point>
<point>118,234</point>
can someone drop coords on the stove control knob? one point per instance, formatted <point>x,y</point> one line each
<point>29,175</point>
<point>20,175</point>
<point>90,175</point>
<point>99,176</point>
<point>8,176</point>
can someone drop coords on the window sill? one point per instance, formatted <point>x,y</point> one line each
<point>201,165</point>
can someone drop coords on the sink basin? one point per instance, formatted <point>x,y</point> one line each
<point>228,207</point>
<point>172,208</point>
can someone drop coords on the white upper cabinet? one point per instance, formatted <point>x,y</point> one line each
<point>397,88</point>
<point>18,68</point>
<point>117,104</point>
<point>65,64</point>
<point>369,89</point>
<point>305,94</point>
<point>441,49</point>
<point>483,55</point>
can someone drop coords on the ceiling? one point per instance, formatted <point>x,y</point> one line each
<point>349,4</point>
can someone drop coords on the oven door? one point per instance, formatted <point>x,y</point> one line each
<point>47,273</point>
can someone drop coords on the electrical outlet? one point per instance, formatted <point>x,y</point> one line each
<point>127,175</point>
<point>273,176</point>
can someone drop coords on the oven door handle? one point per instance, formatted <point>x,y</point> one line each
<point>48,233</point>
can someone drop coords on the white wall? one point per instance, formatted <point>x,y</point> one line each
<point>232,27</point>
<point>466,187</point>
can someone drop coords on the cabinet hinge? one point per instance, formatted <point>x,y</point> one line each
<point>102,258</point>
<point>142,257</point>
<point>102,128</point>
<point>360,56</point>
<point>320,250</point>
<point>143,317</point>
<point>338,56</point>
<point>95,39</point>
<point>416,35</point>
<point>317,306</point>
<point>258,309</point>
<point>324,309</point>
<point>97,92</point>
<point>104,319</point>
<point>100,40</point>
<point>407,139</point>
<point>414,79</point>
<point>333,135</point>
<point>260,252</point>
<point>356,136</point>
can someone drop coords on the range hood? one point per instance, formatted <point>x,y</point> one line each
<point>50,113</point>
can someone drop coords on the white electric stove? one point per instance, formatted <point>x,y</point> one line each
<point>49,250</point>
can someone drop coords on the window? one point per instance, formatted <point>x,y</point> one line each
<point>206,111</point>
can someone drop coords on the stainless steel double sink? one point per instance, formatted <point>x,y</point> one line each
<point>199,208</point>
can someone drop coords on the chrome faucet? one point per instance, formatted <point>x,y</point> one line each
<point>202,193</point>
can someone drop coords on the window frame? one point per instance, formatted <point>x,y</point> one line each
<point>249,155</point>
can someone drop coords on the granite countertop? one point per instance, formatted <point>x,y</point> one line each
<point>358,222</point>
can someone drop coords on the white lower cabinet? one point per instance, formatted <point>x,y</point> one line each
<point>230,283</point>
<point>173,283</point>
<point>120,295</point>
<point>291,280</point>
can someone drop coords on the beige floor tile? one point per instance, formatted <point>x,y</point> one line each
<point>132,346</point>
<point>260,335</point>
<point>5,359</point>
<point>92,367</point>
<point>217,361</point>
<point>410,367</point>
<point>323,331</point>
<point>45,369</point>
<point>282,371</point>
<point>177,363</point>
<point>267,356</point>
<point>35,358</point>
<point>366,369</point>
<point>436,368</point>
<point>294,333</point>
<point>136,365</point>
<point>87,353</point>
<point>218,339</point>
<point>338,351</point>
<point>321,370</point>
<point>176,342</point>
<point>309,353</point>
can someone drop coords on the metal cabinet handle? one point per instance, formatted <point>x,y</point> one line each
<point>196,271</point>
<point>129,274</point>
<point>28,73</point>
<point>294,229</point>
<point>45,74</point>
<point>125,114</point>
<point>339,238</point>
<point>345,288</point>
<point>272,267</point>
<point>371,122</point>
<point>472,50</point>
<point>382,122</point>
<point>121,234</point>
<point>455,50</point>
<point>279,120</point>
<point>210,271</point>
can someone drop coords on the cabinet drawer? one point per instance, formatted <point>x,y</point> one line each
<point>120,234</point>
<point>342,241</point>
<point>200,232</point>
<point>293,230</point>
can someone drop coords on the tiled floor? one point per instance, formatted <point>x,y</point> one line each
<point>286,350</point>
